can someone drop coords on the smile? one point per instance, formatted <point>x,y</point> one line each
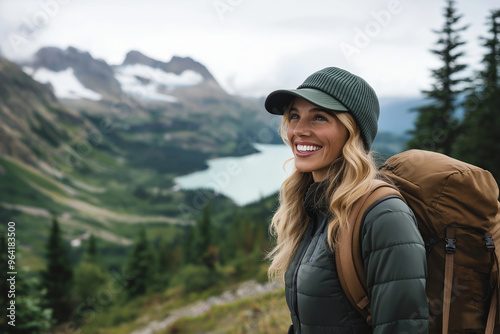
<point>307,148</point>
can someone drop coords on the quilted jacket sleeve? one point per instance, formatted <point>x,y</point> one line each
<point>395,263</point>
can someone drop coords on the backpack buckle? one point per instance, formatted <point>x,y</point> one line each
<point>489,243</point>
<point>450,247</point>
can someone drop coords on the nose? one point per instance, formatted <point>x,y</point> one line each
<point>301,128</point>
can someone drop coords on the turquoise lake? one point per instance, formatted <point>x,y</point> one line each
<point>243,179</point>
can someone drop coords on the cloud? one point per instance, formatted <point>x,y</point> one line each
<point>252,46</point>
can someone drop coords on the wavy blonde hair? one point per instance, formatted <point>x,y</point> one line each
<point>348,178</point>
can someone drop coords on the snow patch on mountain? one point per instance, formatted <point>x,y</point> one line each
<point>65,84</point>
<point>151,83</point>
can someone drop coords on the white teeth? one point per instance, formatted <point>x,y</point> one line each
<point>307,148</point>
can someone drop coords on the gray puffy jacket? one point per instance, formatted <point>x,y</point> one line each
<point>394,260</point>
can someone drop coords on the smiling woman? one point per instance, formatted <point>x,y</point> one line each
<point>316,136</point>
<point>330,122</point>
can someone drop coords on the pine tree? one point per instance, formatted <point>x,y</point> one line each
<point>229,240</point>
<point>204,252</point>
<point>58,276</point>
<point>141,266</point>
<point>30,317</point>
<point>89,276</point>
<point>92,250</point>
<point>170,256</point>
<point>187,244</point>
<point>479,144</point>
<point>437,126</point>
<point>164,254</point>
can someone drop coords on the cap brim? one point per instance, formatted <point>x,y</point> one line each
<point>277,102</point>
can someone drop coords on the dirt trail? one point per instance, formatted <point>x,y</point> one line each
<point>245,290</point>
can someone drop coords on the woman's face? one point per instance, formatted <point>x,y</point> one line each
<point>316,136</point>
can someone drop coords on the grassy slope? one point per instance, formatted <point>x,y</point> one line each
<point>30,198</point>
<point>266,314</point>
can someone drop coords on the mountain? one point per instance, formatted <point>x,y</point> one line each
<point>153,81</point>
<point>94,78</point>
<point>34,123</point>
<point>177,65</point>
<point>176,103</point>
<point>75,74</point>
<point>54,161</point>
<point>82,147</point>
<point>94,87</point>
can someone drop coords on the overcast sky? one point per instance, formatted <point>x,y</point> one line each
<point>253,46</point>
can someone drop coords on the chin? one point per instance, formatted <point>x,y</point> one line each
<point>303,169</point>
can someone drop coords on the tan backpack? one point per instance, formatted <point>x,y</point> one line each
<point>457,211</point>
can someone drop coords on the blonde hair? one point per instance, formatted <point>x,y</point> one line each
<point>348,178</point>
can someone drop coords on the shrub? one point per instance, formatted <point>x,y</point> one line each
<point>194,278</point>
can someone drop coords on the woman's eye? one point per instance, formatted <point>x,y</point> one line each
<point>293,116</point>
<point>320,118</point>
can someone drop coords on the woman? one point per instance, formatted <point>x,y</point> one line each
<point>330,122</point>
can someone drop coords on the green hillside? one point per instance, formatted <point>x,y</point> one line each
<point>101,172</point>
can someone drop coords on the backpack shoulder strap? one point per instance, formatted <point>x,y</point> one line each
<point>348,255</point>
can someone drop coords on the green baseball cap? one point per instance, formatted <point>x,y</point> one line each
<point>334,89</point>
